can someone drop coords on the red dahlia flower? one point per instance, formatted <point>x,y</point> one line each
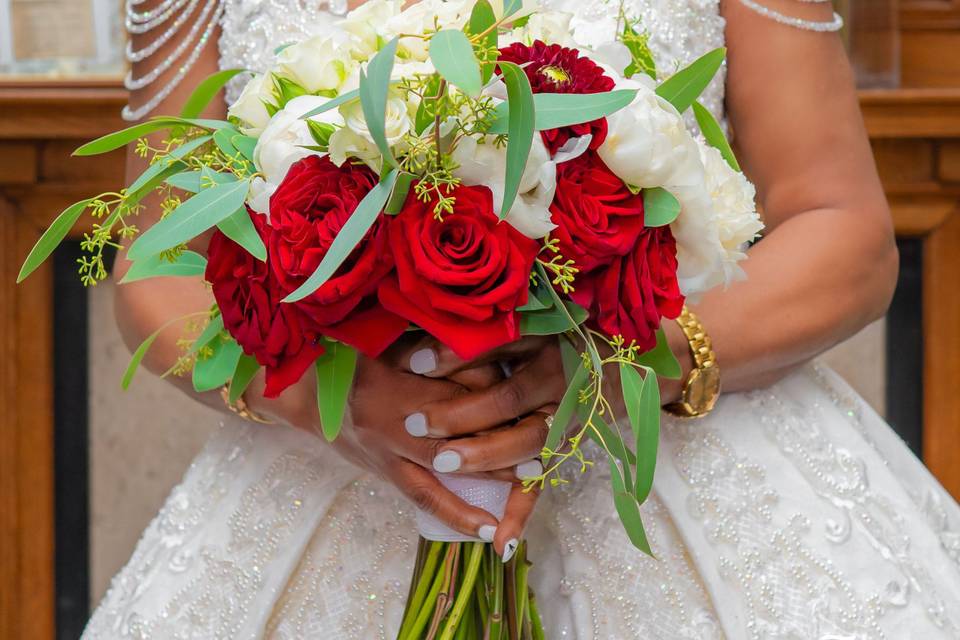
<point>460,278</point>
<point>555,69</point>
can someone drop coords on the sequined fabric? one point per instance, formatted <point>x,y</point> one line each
<point>791,513</point>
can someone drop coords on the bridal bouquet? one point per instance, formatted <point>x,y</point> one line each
<point>454,168</point>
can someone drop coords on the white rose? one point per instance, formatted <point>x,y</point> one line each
<point>320,63</point>
<point>282,143</point>
<point>552,27</point>
<point>648,144</point>
<point>354,139</point>
<point>362,23</point>
<point>423,17</point>
<point>483,163</point>
<point>249,107</point>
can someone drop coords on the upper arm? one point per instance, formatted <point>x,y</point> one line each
<point>793,108</point>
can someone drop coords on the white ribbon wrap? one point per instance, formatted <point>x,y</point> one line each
<point>489,495</point>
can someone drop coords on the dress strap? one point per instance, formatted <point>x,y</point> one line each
<point>163,22</point>
<point>798,23</point>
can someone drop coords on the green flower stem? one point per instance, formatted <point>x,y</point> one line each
<point>537,625</point>
<point>451,567</point>
<point>495,621</point>
<point>466,590</point>
<point>425,610</point>
<point>423,582</point>
<point>511,596</point>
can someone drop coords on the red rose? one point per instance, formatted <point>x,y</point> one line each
<point>460,278</point>
<point>307,211</point>
<point>555,69</point>
<point>598,219</point>
<point>635,292</point>
<point>278,335</point>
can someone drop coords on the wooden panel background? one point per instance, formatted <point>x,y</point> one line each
<point>916,137</point>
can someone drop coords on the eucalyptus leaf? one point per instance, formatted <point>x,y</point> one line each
<point>212,330</point>
<point>165,164</point>
<point>349,237</point>
<point>642,399</point>
<point>713,134</point>
<point>186,264</point>
<point>660,207</point>
<point>482,19</point>
<point>603,435</point>
<point>137,358</point>
<point>567,407</point>
<point>427,110</point>
<point>534,303</point>
<point>190,219</point>
<point>685,86</point>
<point>224,141</point>
<point>121,138</point>
<point>641,56</point>
<point>520,131</point>
<point>661,359</point>
<point>215,371</point>
<point>399,195</point>
<point>245,145</point>
<point>206,91</point>
<point>247,368</point>
<point>552,320</point>
<point>374,86</point>
<point>452,56</point>
<point>332,104</point>
<point>510,7</point>
<point>195,181</point>
<point>555,110</point>
<point>52,237</point>
<point>239,228</point>
<point>335,370</point>
<point>628,509</point>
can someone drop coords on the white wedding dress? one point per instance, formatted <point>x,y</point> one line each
<point>792,512</point>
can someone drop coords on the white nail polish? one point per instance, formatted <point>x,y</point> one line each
<point>423,361</point>
<point>486,532</point>
<point>447,462</point>
<point>509,549</point>
<point>416,425</point>
<point>529,469</point>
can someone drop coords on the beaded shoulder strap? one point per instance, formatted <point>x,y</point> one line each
<point>798,23</point>
<point>163,22</point>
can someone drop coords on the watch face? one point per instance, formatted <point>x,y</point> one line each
<point>703,389</point>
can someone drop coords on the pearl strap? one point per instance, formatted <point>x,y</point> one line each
<point>798,23</point>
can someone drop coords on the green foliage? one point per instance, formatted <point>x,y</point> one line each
<point>349,237</point>
<point>452,56</point>
<point>194,181</point>
<point>554,110</point>
<point>374,87</point>
<point>660,207</point>
<point>186,264</point>
<point>510,7</point>
<point>206,91</point>
<point>685,86</point>
<point>343,98</point>
<point>520,131</point>
<point>628,509</point>
<point>190,219</point>
<point>552,320</point>
<point>399,195</point>
<point>567,408</point>
<point>642,399</point>
<point>641,57</point>
<point>321,132</point>
<point>335,370</point>
<point>121,138</point>
<point>165,164</point>
<point>286,89</point>
<point>661,359</point>
<point>245,145</point>
<point>482,20</point>
<point>137,358</point>
<point>217,369</point>
<point>239,228</point>
<point>52,237</point>
<point>713,134</point>
<point>243,374</point>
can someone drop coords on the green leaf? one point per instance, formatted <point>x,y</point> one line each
<point>374,86</point>
<point>553,320</point>
<point>335,370</point>
<point>660,207</point>
<point>641,56</point>
<point>121,138</point>
<point>556,110</point>
<point>452,56</point>
<point>247,368</point>
<point>164,165</point>
<point>628,509</point>
<point>349,237</point>
<point>685,86</point>
<point>510,7</point>
<point>604,436</point>
<point>332,104</point>
<point>642,399</point>
<point>482,18</point>
<point>567,408</point>
<point>187,263</point>
<point>534,303</point>
<point>224,141</point>
<point>321,132</point>
<point>52,237</point>
<point>427,109</point>
<point>211,331</point>
<point>520,131</point>
<point>245,145</point>
<point>399,195</point>
<point>206,91</point>
<point>194,181</point>
<point>239,228</point>
<point>661,359</point>
<point>137,358</point>
<point>287,89</point>
<point>215,371</point>
<point>191,218</point>
<point>713,134</point>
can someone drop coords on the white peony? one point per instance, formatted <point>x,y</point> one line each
<point>483,163</point>
<point>552,27</point>
<point>282,143</point>
<point>363,21</point>
<point>320,63</point>
<point>423,17</point>
<point>354,139</point>
<point>249,107</point>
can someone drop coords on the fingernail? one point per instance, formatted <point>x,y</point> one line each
<point>486,532</point>
<point>447,462</point>
<point>423,361</point>
<point>529,469</point>
<point>509,549</point>
<point>416,425</point>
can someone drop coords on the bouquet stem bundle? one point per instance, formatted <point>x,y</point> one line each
<point>463,591</point>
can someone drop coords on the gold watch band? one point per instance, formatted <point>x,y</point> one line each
<point>240,407</point>
<point>702,386</point>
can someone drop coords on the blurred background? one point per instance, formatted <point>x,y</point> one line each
<point>79,479</point>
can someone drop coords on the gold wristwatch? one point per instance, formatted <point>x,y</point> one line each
<point>702,387</point>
